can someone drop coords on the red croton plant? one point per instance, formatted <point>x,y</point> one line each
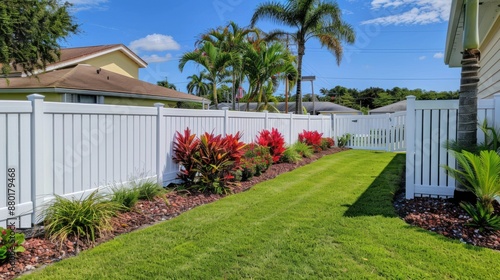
<point>311,138</point>
<point>274,140</point>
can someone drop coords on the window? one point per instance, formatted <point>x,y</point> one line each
<point>82,98</point>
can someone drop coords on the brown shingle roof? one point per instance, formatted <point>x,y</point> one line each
<point>88,78</point>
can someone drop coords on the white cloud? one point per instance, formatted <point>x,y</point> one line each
<point>438,55</point>
<point>410,11</point>
<point>155,42</point>
<point>82,5</point>
<point>423,57</point>
<point>154,58</point>
<point>347,12</point>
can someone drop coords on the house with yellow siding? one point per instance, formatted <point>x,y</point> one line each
<point>489,38</point>
<point>106,74</point>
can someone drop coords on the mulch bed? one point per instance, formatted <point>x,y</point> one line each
<point>40,251</point>
<point>442,216</point>
<point>445,217</point>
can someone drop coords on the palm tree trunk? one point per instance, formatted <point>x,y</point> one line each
<point>214,91</point>
<point>467,112</point>
<point>298,98</point>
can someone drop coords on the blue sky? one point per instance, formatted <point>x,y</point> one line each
<point>399,42</point>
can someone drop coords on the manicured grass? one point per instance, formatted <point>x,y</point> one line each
<point>330,219</point>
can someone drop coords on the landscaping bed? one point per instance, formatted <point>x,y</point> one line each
<point>445,217</point>
<point>41,251</point>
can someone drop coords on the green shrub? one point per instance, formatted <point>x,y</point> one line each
<point>303,149</point>
<point>10,243</point>
<point>291,156</point>
<point>481,175</point>
<point>482,218</point>
<point>84,218</point>
<point>148,189</point>
<point>327,143</point>
<point>256,160</point>
<point>343,140</point>
<point>124,196</point>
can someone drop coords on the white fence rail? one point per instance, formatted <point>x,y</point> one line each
<point>372,132</point>
<point>430,124</point>
<point>70,150</point>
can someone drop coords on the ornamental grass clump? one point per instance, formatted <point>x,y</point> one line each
<point>85,218</point>
<point>124,196</point>
<point>303,149</point>
<point>148,189</point>
<point>291,155</point>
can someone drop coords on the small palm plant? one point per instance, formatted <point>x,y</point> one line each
<point>481,175</point>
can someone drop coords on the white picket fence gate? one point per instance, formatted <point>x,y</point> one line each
<point>430,124</point>
<point>372,132</point>
<point>70,150</point>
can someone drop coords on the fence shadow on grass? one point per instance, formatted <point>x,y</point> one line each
<point>377,199</point>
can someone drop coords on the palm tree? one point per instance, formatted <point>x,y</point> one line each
<point>198,85</point>
<point>231,39</point>
<point>265,64</point>
<point>212,59</point>
<point>313,19</point>
<point>167,84</point>
<point>467,110</point>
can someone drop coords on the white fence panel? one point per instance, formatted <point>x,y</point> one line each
<point>371,132</point>
<point>49,149</point>
<point>15,164</point>
<point>486,112</point>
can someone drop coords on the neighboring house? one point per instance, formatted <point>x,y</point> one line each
<point>324,108</point>
<point>391,108</point>
<point>489,38</point>
<point>98,74</point>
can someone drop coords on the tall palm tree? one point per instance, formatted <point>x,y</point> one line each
<point>212,59</point>
<point>231,39</point>
<point>198,85</point>
<point>467,110</point>
<point>313,19</point>
<point>265,64</point>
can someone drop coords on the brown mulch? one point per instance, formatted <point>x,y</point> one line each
<point>40,251</point>
<point>445,217</point>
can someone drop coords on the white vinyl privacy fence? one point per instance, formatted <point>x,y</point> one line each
<point>372,132</point>
<point>70,150</point>
<point>430,124</point>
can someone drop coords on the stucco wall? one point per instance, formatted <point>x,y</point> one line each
<point>116,62</point>
<point>52,97</point>
<point>135,102</point>
<point>489,72</point>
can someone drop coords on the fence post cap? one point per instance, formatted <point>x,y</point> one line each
<point>411,97</point>
<point>225,108</point>
<point>35,96</point>
<point>159,105</point>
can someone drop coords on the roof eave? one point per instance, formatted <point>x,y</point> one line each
<point>103,93</point>
<point>456,12</point>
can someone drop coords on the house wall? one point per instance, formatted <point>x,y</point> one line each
<point>52,97</point>
<point>136,101</point>
<point>489,72</point>
<point>116,62</point>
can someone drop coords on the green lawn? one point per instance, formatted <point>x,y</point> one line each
<point>330,219</point>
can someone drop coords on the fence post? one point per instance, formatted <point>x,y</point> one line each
<point>410,146</point>
<point>291,129</point>
<point>334,134</point>
<point>37,161</point>
<point>266,118</point>
<point>496,106</point>
<point>160,143</point>
<point>388,133</point>
<point>308,122</point>
<point>226,120</point>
